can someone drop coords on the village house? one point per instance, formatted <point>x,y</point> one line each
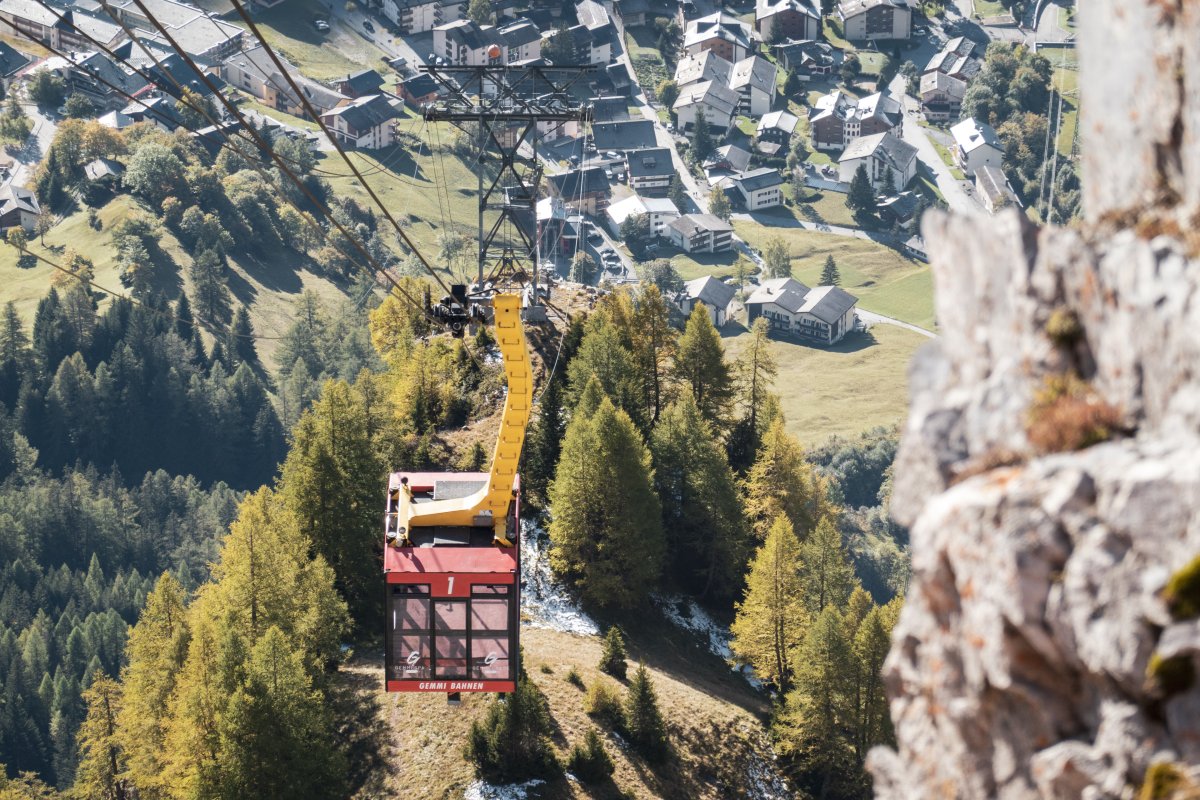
<point>97,77</point>
<point>701,67</point>
<point>774,132</point>
<point>158,110</point>
<point>994,190</point>
<point>584,190</point>
<point>722,33</point>
<point>976,145</point>
<point>198,33</point>
<point>941,96</point>
<point>754,80</point>
<point>881,153</point>
<point>716,101</point>
<point>104,170</point>
<point>760,188</point>
<point>868,20</point>
<point>12,61</point>
<point>701,233</point>
<point>727,158</point>
<point>255,73</point>
<point>521,41</point>
<point>367,122</point>
<point>18,206</point>
<point>650,171</point>
<point>421,16</point>
<point>419,89</point>
<point>837,119</point>
<point>643,12</point>
<point>776,20</point>
<point>625,136</point>
<point>716,297</point>
<point>899,209</point>
<point>807,59</point>
<point>959,58</point>
<point>822,315</point>
<point>609,109</point>
<point>464,43</point>
<point>659,211</point>
<point>360,84</point>
<point>59,29</point>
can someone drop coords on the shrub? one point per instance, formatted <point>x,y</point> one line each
<point>1183,591</point>
<point>1067,414</point>
<point>612,659</point>
<point>591,762</point>
<point>547,669</point>
<point>512,744</point>
<point>574,679</point>
<point>604,705</point>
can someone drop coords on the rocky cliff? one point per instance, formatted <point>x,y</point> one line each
<point>1050,466</point>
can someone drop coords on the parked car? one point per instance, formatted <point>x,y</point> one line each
<point>608,173</point>
<point>595,238</point>
<point>368,26</point>
<point>612,154</point>
<point>321,25</point>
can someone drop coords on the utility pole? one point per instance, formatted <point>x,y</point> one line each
<point>504,105</point>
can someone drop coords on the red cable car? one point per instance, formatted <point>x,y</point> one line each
<point>451,564</point>
<point>453,597</point>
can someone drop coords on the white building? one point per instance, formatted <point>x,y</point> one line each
<point>976,145</point>
<point>867,20</point>
<point>760,188</point>
<point>421,16</point>
<point>754,80</point>
<point>660,210</point>
<point>822,315</point>
<point>365,122</point>
<point>701,233</point>
<point>716,297</point>
<point>718,102</point>
<point>881,153</point>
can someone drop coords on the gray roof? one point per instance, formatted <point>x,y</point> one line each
<point>103,168</point>
<point>703,66</point>
<point>365,81</point>
<point>11,59</point>
<point>654,162</point>
<point>365,113</point>
<point>755,72</point>
<point>889,147</point>
<point>718,25</point>
<point>691,224</point>
<point>764,9</point>
<point>828,303</point>
<point>610,109</point>
<point>14,198</point>
<point>994,183</point>
<point>591,14</point>
<point>635,134</point>
<point>738,158</point>
<point>761,178</point>
<point>710,94</point>
<point>785,292</point>
<point>852,8</point>
<point>710,291</point>
<point>574,182</point>
<point>519,33</point>
<point>778,119</point>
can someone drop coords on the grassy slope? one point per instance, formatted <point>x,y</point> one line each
<point>883,280</point>
<point>714,714</point>
<point>844,390</point>
<point>288,28</point>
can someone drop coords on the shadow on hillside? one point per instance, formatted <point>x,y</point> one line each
<point>281,273</point>
<point>853,342</point>
<point>731,329</point>
<point>166,277</point>
<point>362,732</point>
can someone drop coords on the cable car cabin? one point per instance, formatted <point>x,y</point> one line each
<point>452,591</point>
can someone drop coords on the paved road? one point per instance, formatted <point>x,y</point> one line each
<point>871,318</point>
<point>916,135</point>
<point>35,147</point>
<point>1048,27</point>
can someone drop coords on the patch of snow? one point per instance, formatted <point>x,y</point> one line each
<point>683,613</point>
<point>481,790</point>
<point>547,602</point>
<point>763,781</point>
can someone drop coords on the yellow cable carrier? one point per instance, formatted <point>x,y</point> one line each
<point>489,505</point>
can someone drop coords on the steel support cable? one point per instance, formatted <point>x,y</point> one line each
<point>308,107</point>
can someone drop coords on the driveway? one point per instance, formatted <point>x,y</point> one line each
<point>871,318</point>
<point>35,147</point>
<point>951,188</point>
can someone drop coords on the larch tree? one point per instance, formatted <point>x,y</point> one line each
<point>101,773</point>
<point>819,711</point>
<point>330,482</point>
<point>861,197</point>
<point>781,481</point>
<point>771,619</point>
<point>871,643</point>
<point>700,365</point>
<point>603,354</point>
<point>606,531</point>
<point>156,649</point>
<point>702,519</point>
<point>826,576</point>
<point>654,342</point>
<point>755,370</point>
<point>718,204</point>
<point>777,259</point>
<point>275,732</point>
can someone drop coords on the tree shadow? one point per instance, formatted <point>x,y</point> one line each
<point>275,274</point>
<point>166,277</point>
<point>852,342</point>
<point>362,732</point>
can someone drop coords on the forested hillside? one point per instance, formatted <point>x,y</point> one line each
<point>659,467</point>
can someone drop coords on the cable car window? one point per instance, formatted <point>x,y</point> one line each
<point>450,655</point>
<point>489,615</point>
<point>450,615</point>
<point>490,659</point>
<point>410,639</point>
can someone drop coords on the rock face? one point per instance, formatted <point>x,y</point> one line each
<point>1028,660</point>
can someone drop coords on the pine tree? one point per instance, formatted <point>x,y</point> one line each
<point>702,138</point>
<point>102,766</point>
<point>706,546</point>
<point>643,719</point>
<point>241,339</point>
<point>783,482</point>
<point>829,273</point>
<point>209,291</point>
<point>612,657</point>
<point>889,183</point>
<point>861,197</point>
<point>16,356</point>
<point>513,742</point>
<point>601,353</point>
<point>610,550</point>
<point>826,575</point>
<point>156,651</point>
<point>542,445</point>
<point>756,371</point>
<point>771,619</point>
<point>481,13</point>
<point>185,326</point>
<point>329,482</point>
<point>700,365</point>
